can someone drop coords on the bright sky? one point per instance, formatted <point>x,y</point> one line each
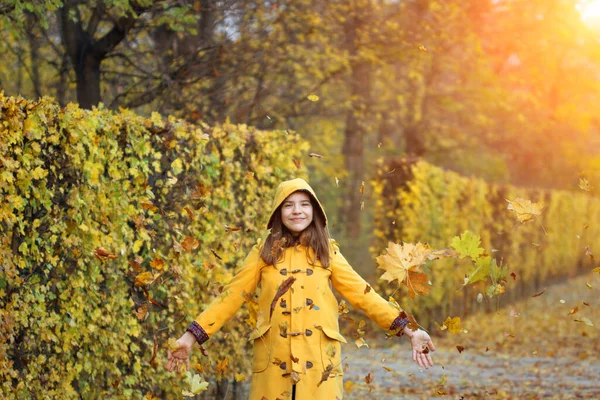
<point>590,12</point>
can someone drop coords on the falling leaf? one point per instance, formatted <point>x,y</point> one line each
<point>388,369</point>
<point>573,310</point>
<point>525,209</point>
<point>325,374</point>
<point>294,359</point>
<point>460,348</point>
<point>239,377</point>
<point>514,276</point>
<point>139,221</point>
<point>513,313</point>
<point>588,286</point>
<point>538,293</point>
<point>157,263</point>
<point>417,284</point>
<point>312,97</point>
<point>479,297</point>
<point>362,187</point>
<point>297,163</point>
<point>585,226</point>
<point>585,321</point>
<point>147,205</point>
<point>295,377</point>
<point>467,245</point>
<point>315,155</point>
<point>369,379</point>
<point>277,361</point>
<point>585,185</point>
<point>360,342</point>
<point>586,304</point>
<point>283,327</point>
<point>337,182</point>
<point>215,254</point>
<point>145,278</point>
<point>141,312</point>
<point>588,252</point>
<point>189,212</point>
<point>348,386</point>
<point>136,263</point>
<point>101,253</point>
<point>452,325</point>
<point>343,308</point>
<point>367,289</point>
<point>331,350</point>
<point>200,192</point>
<point>597,269</point>
<point>561,301</point>
<point>283,288</point>
<point>400,258</point>
<point>422,48</point>
<point>232,228</point>
<point>190,244</point>
<point>153,362</point>
<point>222,366</point>
<point>197,386</point>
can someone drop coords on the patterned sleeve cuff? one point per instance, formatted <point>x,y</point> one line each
<point>199,333</point>
<point>399,324</point>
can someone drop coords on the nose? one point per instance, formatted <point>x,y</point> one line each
<point>297,209</point>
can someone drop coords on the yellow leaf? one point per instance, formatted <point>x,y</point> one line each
<point>452,325</point>
<point>525,209</point>
<point>585,185</point>
<point>313,97</point>
<point>197,385</point>
<point>39,173</point>
<point>137,245</point>
<point>348,386</point>
<point>360,342</point>
<point>400,258</point>
<point>145,278</point>
<point>157,263</point>
<point>330,350</point>
<point>239,377</point>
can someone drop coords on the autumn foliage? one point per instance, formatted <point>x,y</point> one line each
<point>116,230</point>
<point>509,238</point>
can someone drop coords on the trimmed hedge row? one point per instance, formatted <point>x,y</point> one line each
<point>421,202</point>
<point>115,231</point>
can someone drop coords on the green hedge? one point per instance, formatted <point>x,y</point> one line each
<point>92,201</point>
<point>421,202</point>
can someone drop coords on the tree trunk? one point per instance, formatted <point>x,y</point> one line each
<point>87,53</point>
<point>356,117</point>
<point>87,72</point>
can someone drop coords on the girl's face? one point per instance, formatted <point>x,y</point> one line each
<point>297,212</point>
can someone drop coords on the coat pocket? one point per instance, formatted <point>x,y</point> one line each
<point>331,350</point>
<point>262,347</point>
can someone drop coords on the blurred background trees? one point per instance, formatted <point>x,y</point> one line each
<point>505,90</point>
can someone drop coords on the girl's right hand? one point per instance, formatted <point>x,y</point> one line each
<point>181,355</point>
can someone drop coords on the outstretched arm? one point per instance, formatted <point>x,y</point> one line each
<point>220,310</point>
<point>359,294</point>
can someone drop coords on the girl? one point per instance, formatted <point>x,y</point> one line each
<point>297,340</point>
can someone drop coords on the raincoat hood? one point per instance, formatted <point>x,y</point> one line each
<point>285,189</point>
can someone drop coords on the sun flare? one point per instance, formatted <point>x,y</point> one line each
<point>590,12</point>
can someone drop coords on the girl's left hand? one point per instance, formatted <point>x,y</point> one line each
<point>422,348</point>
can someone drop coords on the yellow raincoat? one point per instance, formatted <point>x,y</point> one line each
<point>301,340</point>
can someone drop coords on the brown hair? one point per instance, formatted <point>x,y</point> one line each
<point>315,236</point>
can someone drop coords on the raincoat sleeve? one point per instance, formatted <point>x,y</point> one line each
<point>224,307</point>
<point>352,287</point>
